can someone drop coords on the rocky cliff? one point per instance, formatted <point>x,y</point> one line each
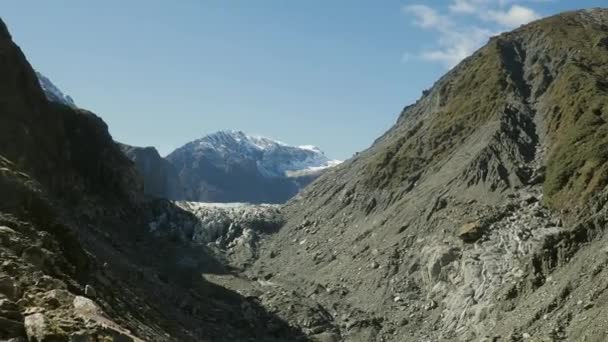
<point>53,93</point>
<point>159,177</point>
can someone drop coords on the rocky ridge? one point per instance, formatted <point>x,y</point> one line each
<point>231,166</point>
<point>52,92</point>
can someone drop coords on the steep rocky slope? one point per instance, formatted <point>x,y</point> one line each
<point>53,93</point>
<point>480,214</point>
<point>159,177</point>
<point>231,166</point>
<point>77,261</point>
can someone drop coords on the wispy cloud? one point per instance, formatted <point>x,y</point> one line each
<point>455,40</point>
<point>513,17</point>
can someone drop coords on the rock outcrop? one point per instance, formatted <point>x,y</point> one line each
<point>53,93</point>
<point>159,177</point>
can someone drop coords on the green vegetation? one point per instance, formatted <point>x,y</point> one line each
<point>578,163</point>
<point>577,166</point>
<point>565,60</point>
<point>471,97</point>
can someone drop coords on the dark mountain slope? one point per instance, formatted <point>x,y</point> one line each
<point>63,148</point>
<point>159,176</point>
<point>480,214</point>
<point>77,261</point>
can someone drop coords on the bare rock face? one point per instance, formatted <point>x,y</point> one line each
<point>233,229</point>
<point>159,177</point>
<point>470,232</point>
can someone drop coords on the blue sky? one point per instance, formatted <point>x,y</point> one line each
<point>332,73</point>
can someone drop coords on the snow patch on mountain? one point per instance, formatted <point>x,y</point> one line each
<point>273,158</point>
<point>52,92</point>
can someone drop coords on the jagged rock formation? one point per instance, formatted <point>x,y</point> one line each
<point>77,262</point>
<point>479,215</point>
<point>232,230</point>
<point>53,93</point>
<point>159,177</point>
<point>231,166</point>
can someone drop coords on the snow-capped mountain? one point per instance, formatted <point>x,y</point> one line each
<point>52,92</point>
<point>273,158</point>
<point>232,166</point>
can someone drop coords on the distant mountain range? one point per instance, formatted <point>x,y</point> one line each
<point>226,166</point>
<point>231,166</point>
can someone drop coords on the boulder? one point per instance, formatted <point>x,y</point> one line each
<point>86,308</point>
<point>58,298</point>
<point>48,283</point>
<point>470,232</point>
<point>326,337</point>
<point>38,328</point>
<point>9,287</point>
<point>10,328</point>
<point>10,310</point>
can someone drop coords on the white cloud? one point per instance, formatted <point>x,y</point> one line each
<point>426,17</point>
<point>455,40</point>
<point>463,6</point>
<point>517,15</point>
<point>457,44</point>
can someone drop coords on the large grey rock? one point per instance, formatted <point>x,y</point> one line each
<point>159,177</point>
<point>38,328</point>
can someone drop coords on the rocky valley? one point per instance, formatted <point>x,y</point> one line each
<point>479,216</point>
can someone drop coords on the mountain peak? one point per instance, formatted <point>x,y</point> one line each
<point>53,93</point>
<point>270,167</point>
<point>274,158</point>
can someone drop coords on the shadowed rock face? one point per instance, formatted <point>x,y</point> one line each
<point>159,177</point>
<point>512,139</point>
<point>64,148</point>
<point>53,93</point>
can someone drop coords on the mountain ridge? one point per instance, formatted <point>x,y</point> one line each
<point>231,166</point>
<point>53,93</point>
